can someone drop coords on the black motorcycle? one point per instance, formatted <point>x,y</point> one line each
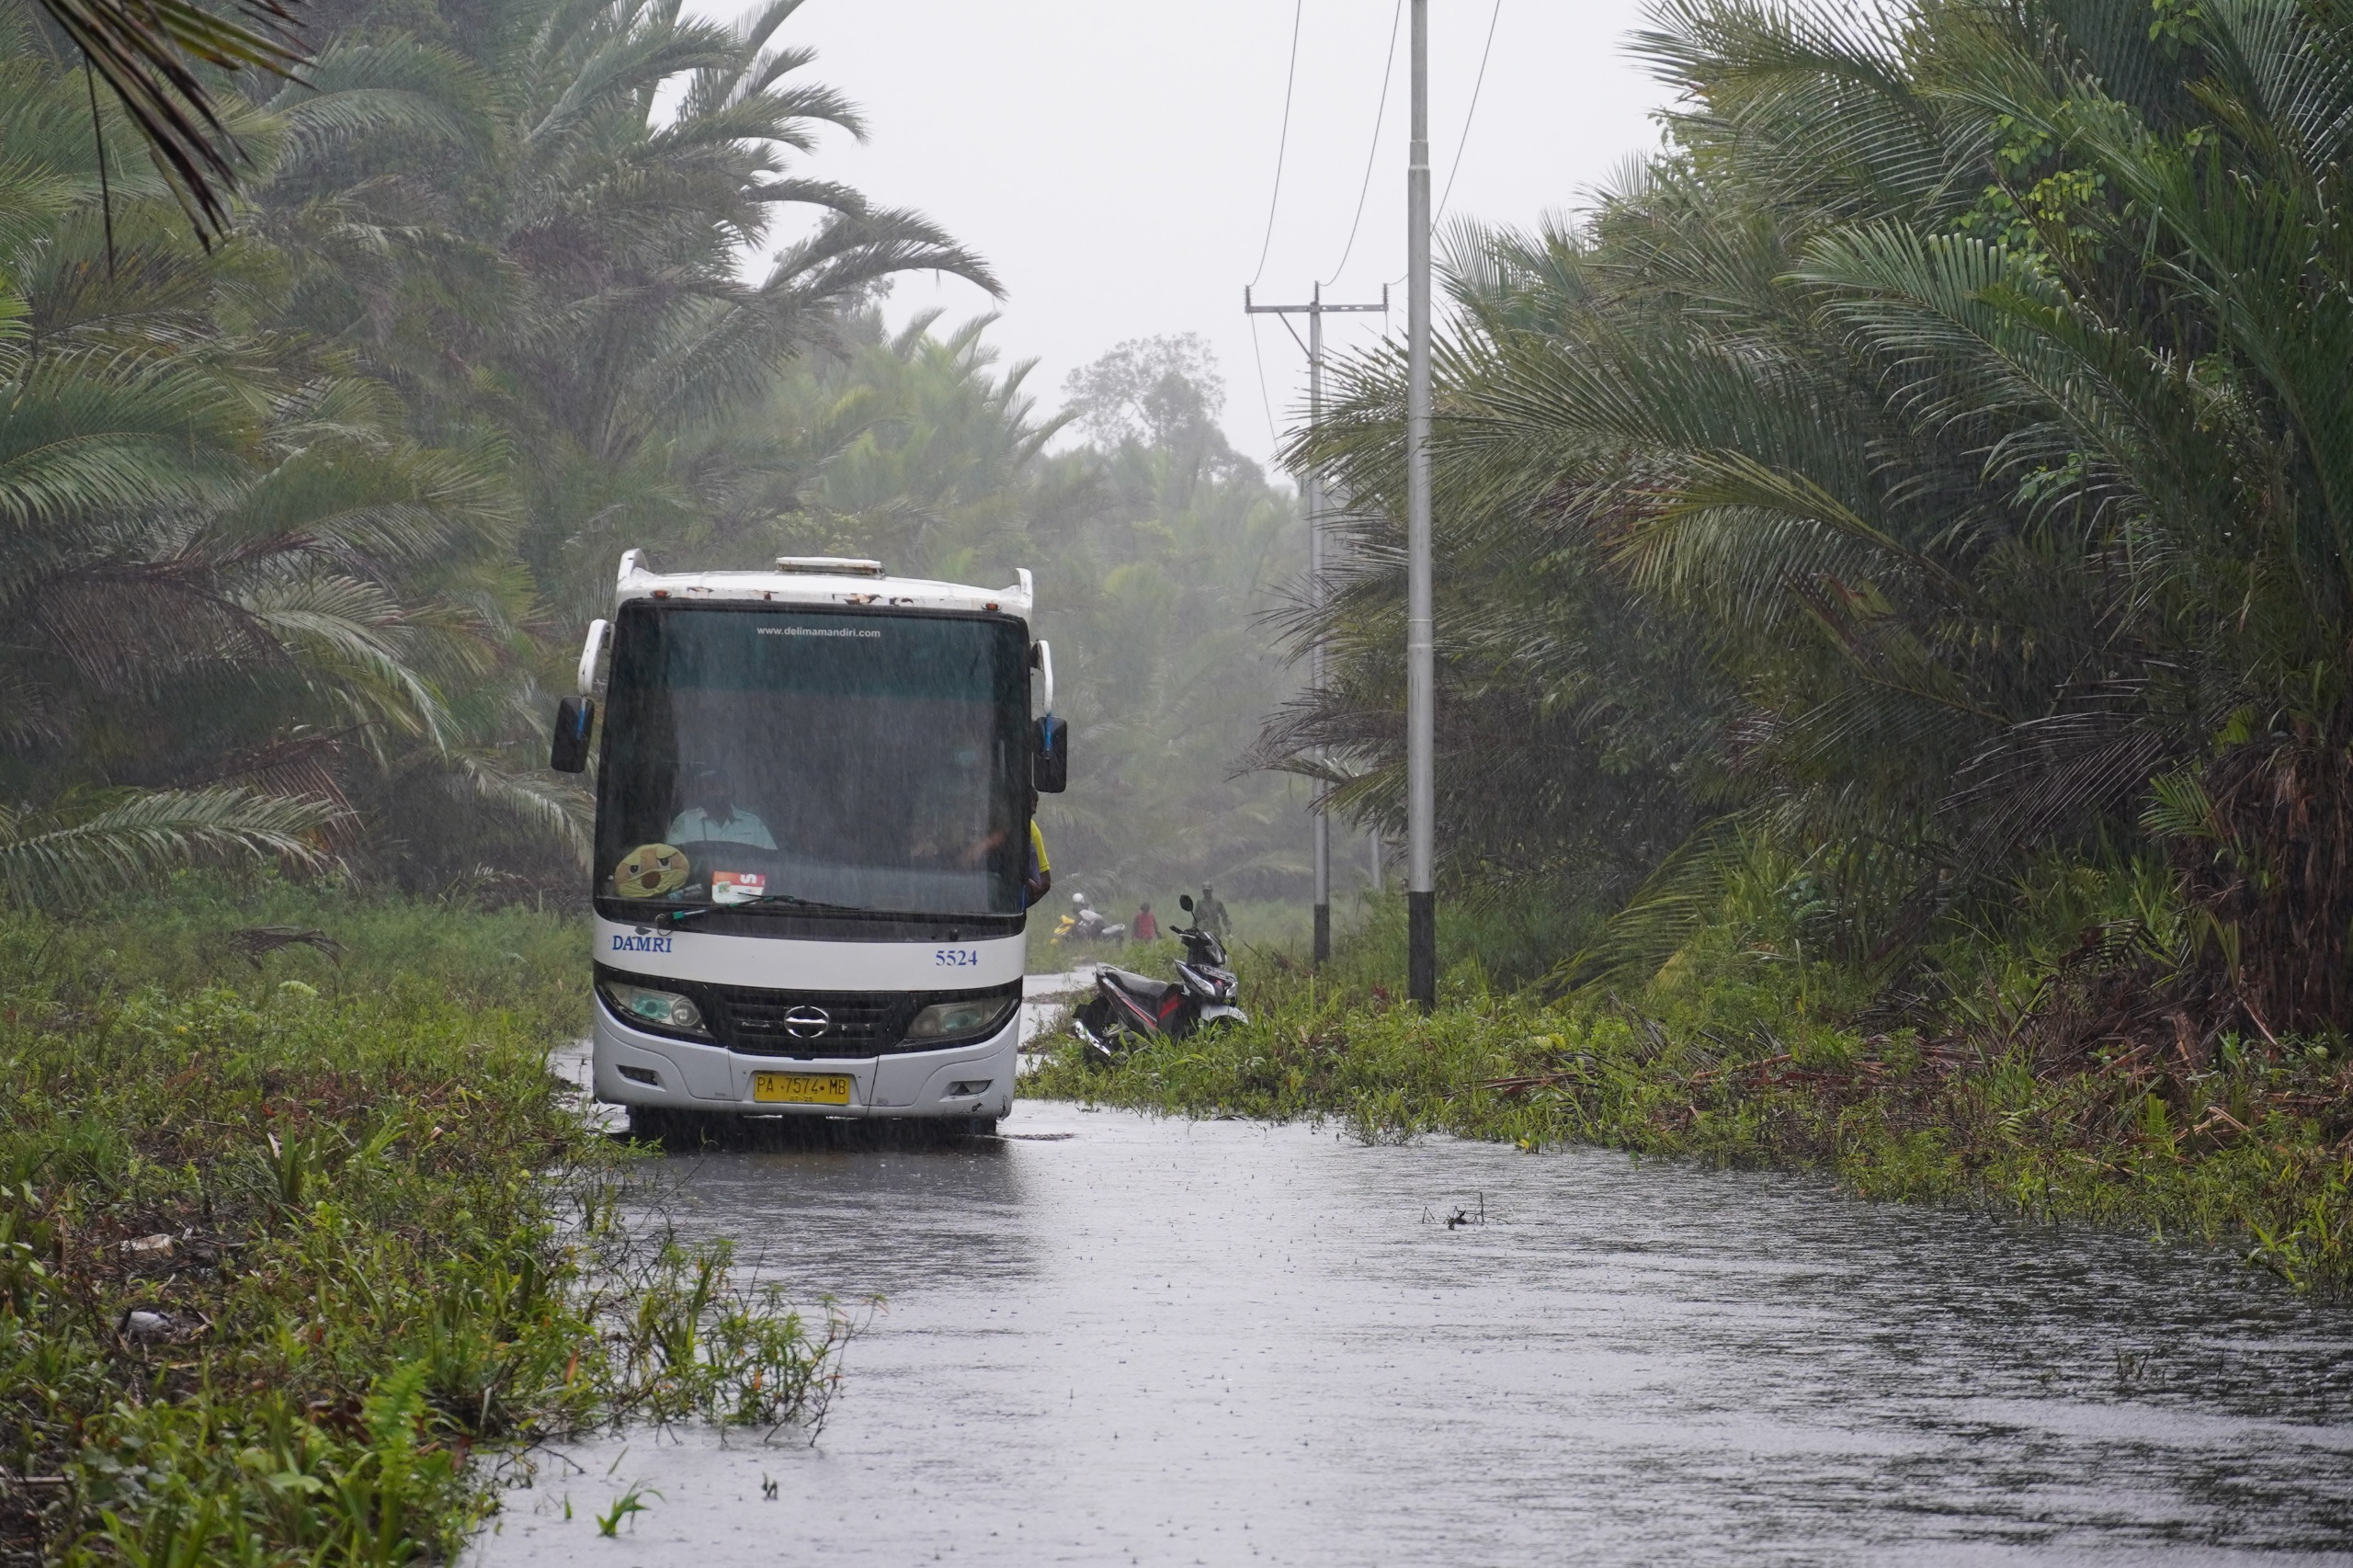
<point>1128,1008</point>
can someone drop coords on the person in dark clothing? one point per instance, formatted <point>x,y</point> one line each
<point>1144,928</point>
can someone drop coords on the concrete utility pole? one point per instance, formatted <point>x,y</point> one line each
<point>1421,788</point>
<point>1314,311</point>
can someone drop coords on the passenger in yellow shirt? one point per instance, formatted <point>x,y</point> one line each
<point>1040,876</point>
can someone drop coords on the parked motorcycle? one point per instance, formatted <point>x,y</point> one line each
<point>1086,924</point>
<point>1129,1008</point>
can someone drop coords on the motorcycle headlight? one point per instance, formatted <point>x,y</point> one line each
<point>663,1009</point>
<point>953,1020</point>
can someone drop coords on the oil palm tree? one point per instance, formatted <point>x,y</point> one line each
<point>153,56</point>
<point>230,577</point>
<point>1966,386</point>
<point>570,266</point>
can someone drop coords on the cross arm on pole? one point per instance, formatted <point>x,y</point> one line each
<point>1251,307</point>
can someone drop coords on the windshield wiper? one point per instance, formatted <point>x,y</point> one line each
<point>680,917</point>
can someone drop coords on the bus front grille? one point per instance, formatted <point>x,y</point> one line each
<point>810,1023</point>
<point>814,1025</point>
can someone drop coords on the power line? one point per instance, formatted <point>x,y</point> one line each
<point>1378,115</point>
<point>1492,17</point>
<point>1274,440</point>
<point>1291,80</point>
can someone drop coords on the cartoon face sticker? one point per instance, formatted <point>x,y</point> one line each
<point>650,871</point>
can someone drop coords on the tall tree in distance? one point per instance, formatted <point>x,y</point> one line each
<point>1166,548</point>
<point>572,272</point>
<point>1156,549</point>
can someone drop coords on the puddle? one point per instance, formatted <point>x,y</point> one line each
<point>1112,1339</point>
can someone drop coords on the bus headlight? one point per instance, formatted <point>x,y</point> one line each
<point>953,1020</point>
<point>663,1009</point>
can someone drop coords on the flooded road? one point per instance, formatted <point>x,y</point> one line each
<point>1111,1339</point>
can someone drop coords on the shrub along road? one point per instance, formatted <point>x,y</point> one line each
<point>2249,1151</point>
<point>300,1237</point>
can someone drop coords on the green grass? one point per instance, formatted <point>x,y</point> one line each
<point>1727,1066</point>
<point>292,1251</point>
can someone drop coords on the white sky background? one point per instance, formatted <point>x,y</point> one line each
<point>1112,159</point>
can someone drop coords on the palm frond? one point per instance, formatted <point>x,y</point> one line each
<point>151,53</point>
<point>79,851</point>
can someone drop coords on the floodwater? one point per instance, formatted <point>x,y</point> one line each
<point>1110,1339</point>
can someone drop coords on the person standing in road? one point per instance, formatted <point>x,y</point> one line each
<point>1209,915</point>
<point>1144,928</point>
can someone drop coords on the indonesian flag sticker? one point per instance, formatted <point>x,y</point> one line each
<point>737,887</point>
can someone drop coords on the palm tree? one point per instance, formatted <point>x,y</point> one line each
<point>230,579</point>
<point>1966,388</point>
<point>152,55</point>
<point>568,268</point>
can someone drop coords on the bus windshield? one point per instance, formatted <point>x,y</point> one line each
<point>773,757</point>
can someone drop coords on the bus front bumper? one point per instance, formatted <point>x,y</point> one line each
<point>640,1069</point>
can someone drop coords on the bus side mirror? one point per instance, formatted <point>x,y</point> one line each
<point>1050,764</point>
<point>574,717</point>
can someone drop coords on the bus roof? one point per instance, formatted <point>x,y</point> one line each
<point>813,580</point>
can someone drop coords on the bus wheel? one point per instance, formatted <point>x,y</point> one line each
<point>970,1125</point>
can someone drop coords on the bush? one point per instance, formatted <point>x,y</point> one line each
<point>1740,1054</point>
<point>296,1227</point>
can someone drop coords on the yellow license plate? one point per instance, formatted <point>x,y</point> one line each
<point>800,1088</point>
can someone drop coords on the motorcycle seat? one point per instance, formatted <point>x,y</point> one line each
<point>1147,992</point>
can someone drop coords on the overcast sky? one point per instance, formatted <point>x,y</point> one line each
<point>1113,159</point>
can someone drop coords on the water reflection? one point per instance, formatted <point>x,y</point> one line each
<point>868,1216</point>
<point>1120,1340</point>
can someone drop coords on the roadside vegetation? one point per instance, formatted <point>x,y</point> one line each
<point>301,1241</point>
<point>1896,629</point>
<point>1918,482</point>
<point>1753,1053</point>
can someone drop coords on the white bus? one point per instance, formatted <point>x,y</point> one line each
<point>815,788</point>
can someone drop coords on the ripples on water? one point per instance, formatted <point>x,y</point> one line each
<point>1111,1339</point>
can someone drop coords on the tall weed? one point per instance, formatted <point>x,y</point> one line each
<point>289,1233</point>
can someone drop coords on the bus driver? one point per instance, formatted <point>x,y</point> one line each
<point>713,819</point>
<point>949,823</point>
